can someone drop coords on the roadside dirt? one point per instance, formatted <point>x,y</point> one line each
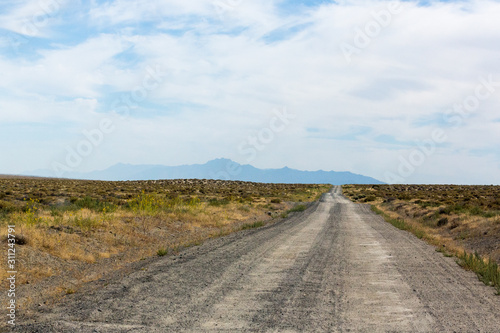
<point>336,267</point>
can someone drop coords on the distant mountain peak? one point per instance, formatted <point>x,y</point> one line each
<point>220,161</point>
<point>219,168</point>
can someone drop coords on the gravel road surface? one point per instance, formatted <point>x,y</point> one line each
<point>336,267</point>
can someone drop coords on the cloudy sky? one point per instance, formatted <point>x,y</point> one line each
<point>406,92</point>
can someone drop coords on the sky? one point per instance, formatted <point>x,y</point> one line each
<point>402,91</point>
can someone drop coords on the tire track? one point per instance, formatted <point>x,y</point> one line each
<point>456,298</point>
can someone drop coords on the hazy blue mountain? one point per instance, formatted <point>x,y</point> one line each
<point>217,169</point>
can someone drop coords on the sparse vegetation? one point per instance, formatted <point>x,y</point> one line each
<point>79,230</point>
<point>297,208</point>
<point>463,221</point>
<point>257,224</point>
<point>399,223</point>
<point>487,270</point>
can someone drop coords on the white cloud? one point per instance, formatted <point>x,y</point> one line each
<point>52,86</point>
<point>224,74</point>
<point>32,18</point>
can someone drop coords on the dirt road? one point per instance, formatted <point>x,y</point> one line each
<point>336,267</point>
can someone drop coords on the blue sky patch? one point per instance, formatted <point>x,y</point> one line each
<point>284,33</point>
<point>294,7</point>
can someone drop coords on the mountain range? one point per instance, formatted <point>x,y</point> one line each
<point>221,168</point>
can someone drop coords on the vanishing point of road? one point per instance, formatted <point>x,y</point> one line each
<point>336,267</point>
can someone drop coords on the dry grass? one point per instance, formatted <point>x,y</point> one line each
<point>77,231</point>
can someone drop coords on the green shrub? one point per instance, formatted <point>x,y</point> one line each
<point>252,225</point>
<point>425,204</point>
<point>456,208</point>
<point>370,198</point>
<point>7,207</point>
<point>298,208</point>
<point>146,203</point>
<point>193,202</point>
<point>476,211</point>
<point>93,204</point>
<point>32,211</point>
<point>162,252</point>
<point>404,196</point>
<point>84,223</point>
<point>487,272</point>
<point>218,202</point>
<point>490,214</point>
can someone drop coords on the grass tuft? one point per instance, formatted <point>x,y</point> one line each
<point>487,271</point>
<point>257,224</point>
<point>162,252</point>
<point>397,222</point>
<point>298,208</point>
<point>218,202</point>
